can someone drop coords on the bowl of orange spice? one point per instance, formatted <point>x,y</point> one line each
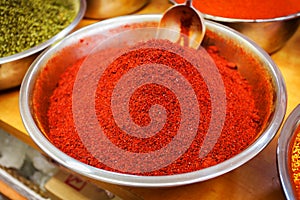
<point>270,23</point>
<point>288,155</point>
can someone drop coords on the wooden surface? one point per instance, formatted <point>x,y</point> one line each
<point>9,192</point>
<point>257,179</point>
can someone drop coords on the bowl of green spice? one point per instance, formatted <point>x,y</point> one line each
<point>29,26</point>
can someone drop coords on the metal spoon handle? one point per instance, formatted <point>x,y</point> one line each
<point>189,3</point>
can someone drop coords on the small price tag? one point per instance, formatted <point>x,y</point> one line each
<point>75,182</point>
<point>65,186</point>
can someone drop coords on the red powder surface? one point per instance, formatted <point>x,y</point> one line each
<point>240,128</point>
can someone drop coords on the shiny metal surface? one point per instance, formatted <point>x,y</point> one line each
<point>175,16</point>
<point>270,34</point>
<point>234,46</point>
<point>102,9</point>
<point>285,143</point>
<point>11,64</point>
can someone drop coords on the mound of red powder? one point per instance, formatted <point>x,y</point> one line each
<point>239,130</point>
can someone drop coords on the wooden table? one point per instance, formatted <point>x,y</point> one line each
<point>257,179</point>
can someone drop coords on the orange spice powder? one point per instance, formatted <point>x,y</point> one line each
<point>254,9</point>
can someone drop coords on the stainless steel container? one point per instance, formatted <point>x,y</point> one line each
<point>270,34</point>
<point>232,45</point>
<point>14,67</point>
<point>284,150</point>
<point>101,9</point>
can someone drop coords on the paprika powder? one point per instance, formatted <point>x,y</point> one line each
<point>240,128</point>
<point>254,9</point>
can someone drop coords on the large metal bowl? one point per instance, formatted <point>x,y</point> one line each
<point>254,64</point>
<point>286,139</point>
<point>270,34</point>
<point>14,67</point>
<point>101,9</point>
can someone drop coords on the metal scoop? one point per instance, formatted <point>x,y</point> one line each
<point>184,20</point>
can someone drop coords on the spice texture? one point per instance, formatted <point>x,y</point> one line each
<point>254,9</point>
<point>28,23</point>
<point>295,162</point>
<point>240,128</point>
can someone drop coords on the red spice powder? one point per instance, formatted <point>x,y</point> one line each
<point>241,124</point>
<point>254,9</point>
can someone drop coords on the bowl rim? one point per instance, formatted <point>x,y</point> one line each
<point>285,141</point>
<point>259,20</point>
<point>151,181</point>
<point>242,20</point>
<point>82,8</point>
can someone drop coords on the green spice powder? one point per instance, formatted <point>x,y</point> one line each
<point>28,23</point>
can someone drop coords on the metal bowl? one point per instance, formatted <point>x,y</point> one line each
<point>270,34</point>
<point>285,144</point>
<point>14,67</point>
<point>39,84</point>
<point>101,9</point>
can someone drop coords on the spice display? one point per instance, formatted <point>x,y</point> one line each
<point>240,128</point>
<point>28,23</point>
<point>254,9</point>
<point>295,162</point>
